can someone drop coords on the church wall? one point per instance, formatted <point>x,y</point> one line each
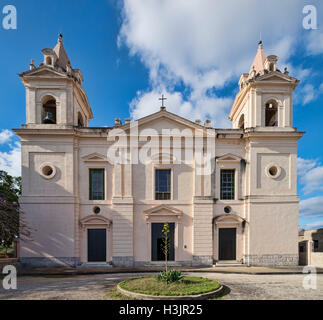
<point>281,154</point>
<point>273,233</point>
<point>52,233</point>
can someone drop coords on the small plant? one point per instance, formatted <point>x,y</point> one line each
<point>165,245</point>
<point>170,276</point>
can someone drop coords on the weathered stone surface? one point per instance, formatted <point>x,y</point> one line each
<point>272,259</point>
<point>123,261</point>
<point>48,262</point>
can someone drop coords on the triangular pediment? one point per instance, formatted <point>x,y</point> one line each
<point>95,157</point>
<point>228,219</point>
<point>163,211</point>
<point>43,72</point>
<point>276,77</point>
<point>95,220</point>
<point>163,121</point>
<point>229,157</point>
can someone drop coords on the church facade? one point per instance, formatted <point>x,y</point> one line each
<point>101,195</point>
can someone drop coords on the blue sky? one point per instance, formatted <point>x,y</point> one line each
<point>192,51</point>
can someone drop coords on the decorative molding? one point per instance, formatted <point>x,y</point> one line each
<point>228,219</point>
<point>95,157</point>
<point>95,219</point>
<point>229,157</point>
<point>162,211</point>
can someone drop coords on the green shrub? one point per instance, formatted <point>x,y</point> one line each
<point>170,276</point>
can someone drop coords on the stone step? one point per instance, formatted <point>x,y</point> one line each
<point>228,264</point>
<point>95,265</point>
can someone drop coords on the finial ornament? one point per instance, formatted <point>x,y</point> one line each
<point>60,37</point>
<point>260,44</point>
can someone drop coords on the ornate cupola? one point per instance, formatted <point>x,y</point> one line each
<point>54,93</point>
<point>265,99</point>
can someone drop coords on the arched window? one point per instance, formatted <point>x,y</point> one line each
<point>271,67</point>
<point>271,117</point>
<point>49,110</point>
<point>49,61</point>
<point>80,121</point>
<point>241,122</point>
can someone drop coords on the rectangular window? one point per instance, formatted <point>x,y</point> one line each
<point>162,184</point>
<point>227,185</point>
<point>96,184</point>
<point>316,245</point>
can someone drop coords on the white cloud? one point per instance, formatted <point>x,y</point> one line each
<point>313,225</point>
<point>11,161</point>
<point>5,136</point>
<point>312,207</point>
<point>310,174</point>
<point>202,45</point>
<point>313,180</point>
<point>309,93</point>
<point>304,165</point>
<point>197,108</point>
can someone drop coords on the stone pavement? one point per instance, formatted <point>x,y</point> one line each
<point>95,287</point>
<point>217,269</point>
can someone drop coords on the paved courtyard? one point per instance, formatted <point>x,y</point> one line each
<point>241,286</point>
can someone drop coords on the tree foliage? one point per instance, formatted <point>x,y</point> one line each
<point>12,224</point>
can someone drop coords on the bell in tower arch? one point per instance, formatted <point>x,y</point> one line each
<point>49,118</point>
<point>49,111</point>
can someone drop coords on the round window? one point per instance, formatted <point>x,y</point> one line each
<point>48,171</point>
<point>273,171</point>
<point>96,210</point>
<point>227,209</point>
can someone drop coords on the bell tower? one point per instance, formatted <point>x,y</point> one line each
<point>265,99</point>
<point>55,97</point>
<point>263,109</point>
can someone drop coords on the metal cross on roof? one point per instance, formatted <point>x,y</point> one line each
<point>162,100</point>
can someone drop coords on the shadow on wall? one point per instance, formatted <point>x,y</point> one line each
<point>51,229</point>
<point>317,238</point>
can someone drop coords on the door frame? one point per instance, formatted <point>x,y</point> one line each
<point>106,243</point>
<point>151,240</point>
<point>236,242</point>
<point>94,222</point>
<point>231,221</point>
<point>176,237</point>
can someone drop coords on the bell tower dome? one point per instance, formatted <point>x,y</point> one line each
<point>265,99</point>
<point>54,93</point>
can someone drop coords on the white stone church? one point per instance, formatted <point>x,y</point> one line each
<point>100,195</point>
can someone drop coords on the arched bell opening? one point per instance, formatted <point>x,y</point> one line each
<point>49,110</point>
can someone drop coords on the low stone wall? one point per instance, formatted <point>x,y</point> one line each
<point>141,296</point>
<point>317,259</point>
<point>126,261</point>
<point>49,262</point>
<point>202,261</point>
<point>161,264</point>
<point>271,259</point>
